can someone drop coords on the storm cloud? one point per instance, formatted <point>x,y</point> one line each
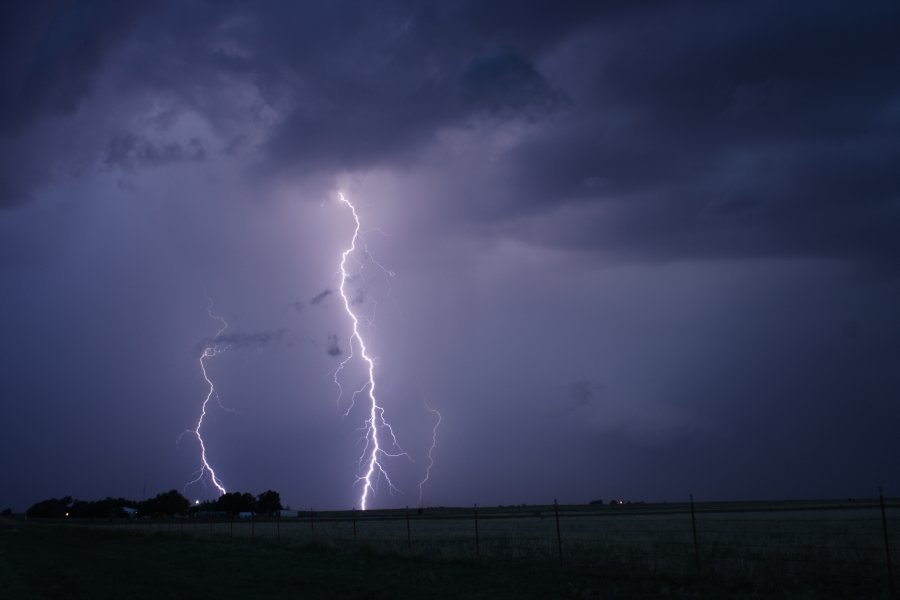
<point>696,204</point>
<point>235,340</point>
<point>332,346</point>
<point>320,297</point>
<point>653,132</point>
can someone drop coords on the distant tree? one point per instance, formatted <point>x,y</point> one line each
<point>205,506</point>
<point>100,509</point>
<point>236,502</point>
<point>7,512</point>
<point>167,503</point>
<point>80,509</point>
<point>268,502</point>
<point>49,509</point>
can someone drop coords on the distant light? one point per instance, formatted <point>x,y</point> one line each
<point>67,514</point>
<point>196,502</point>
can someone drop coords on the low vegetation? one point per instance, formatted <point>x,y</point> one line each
<point>166,504</point>
<point>45,561</point>
<point>739,550</point>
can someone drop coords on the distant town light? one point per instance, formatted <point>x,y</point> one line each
<point>196,502</point>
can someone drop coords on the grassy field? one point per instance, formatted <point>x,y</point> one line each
<point>746,550</point>
<point>51,561</point>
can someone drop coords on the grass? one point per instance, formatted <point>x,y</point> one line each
<point>40,561</point>
<point>812,550</point>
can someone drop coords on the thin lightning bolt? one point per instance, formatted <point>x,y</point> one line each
<point>430,450</point>
<point>373,452</point>
<point>209,351</point>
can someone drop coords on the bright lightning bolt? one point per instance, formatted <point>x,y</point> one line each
<point>374,451</point>
<point>209,351</point>
<point>430,451</point>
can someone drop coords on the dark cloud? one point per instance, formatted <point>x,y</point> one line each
<point>401,73</point>
<point>581,395</point>
<point>256,339</point>
<point>697,129</point>
<point>410,97</point>
<point>128,150</point>
<point>50,52</point>
<point>320,297</point>
<point>507,85</point>
<point>332,347</point>
<point>726,130</point>
<point>700,196</point>
<point>50,55</point>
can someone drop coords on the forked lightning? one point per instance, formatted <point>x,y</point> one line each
<point>210,350</point>
<point>374,451</point>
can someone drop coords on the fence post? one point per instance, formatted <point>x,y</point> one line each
<point>694,533</point>
<point>887,546</point>
<point>477,541</point>
<point>252,525</point>
<point>312,527</point>
<point>558,536</point>
<point>209,521</point>
<point>231,527</point>
<point>354,526</point>
<point>408,535</point>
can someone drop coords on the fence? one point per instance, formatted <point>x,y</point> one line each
<point>839,546</point>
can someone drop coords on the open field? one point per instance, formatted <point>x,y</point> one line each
<point>795,549</point>
<point>46,561</point>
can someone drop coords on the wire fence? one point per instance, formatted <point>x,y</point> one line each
<point>844,547</point>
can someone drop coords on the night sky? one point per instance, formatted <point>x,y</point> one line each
<point>630,250</point>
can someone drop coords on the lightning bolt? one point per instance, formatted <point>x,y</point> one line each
<point>209,351</point>
<point>430,451</point>
<point>370,461</point>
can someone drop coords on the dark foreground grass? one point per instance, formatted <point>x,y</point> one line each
<point>52,561</point>
<point>55,561</point>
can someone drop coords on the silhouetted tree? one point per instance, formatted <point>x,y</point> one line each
<point>268,502</point>
<point>236,502</point>
<point>100,509</point>
<point>49,509</point>
<point>167,503</point>
<point>7,512</point>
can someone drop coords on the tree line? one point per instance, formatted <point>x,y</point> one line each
<point>165,504</point>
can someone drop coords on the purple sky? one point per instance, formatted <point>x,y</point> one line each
<point>638,249</point>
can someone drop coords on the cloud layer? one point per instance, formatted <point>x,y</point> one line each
<point>696,204</point>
